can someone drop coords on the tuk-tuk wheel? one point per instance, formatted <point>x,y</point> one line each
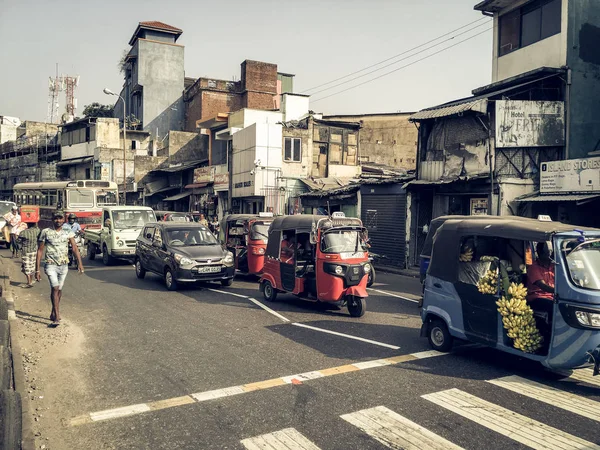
<point>439,336</point>
<point>269,292</point>
<point>357,306</point>
<point>371,277</point>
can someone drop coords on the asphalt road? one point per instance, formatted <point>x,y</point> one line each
<point>206,367</point>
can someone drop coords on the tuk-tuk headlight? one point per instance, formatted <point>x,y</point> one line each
<point>588,319</point>
<point>120,243</point>
<point>367,268</point>
<point>339,270</point>
<point>258,251</point>
<point>228,261</point>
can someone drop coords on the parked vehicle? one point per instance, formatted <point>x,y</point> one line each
<point>318,257</point>
<point>5,207</point>
<point>80,244</point>
<point>246,236</point>
<point>172,216</point>
<point>85,198</point>
<point>121,226</point>
<point>182,253</point>
<point>465,250</point>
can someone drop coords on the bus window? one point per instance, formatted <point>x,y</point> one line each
<point>52,197</point>
<point>81,198</point>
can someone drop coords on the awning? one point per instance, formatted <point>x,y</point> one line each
<point>478,105</point>
<point>164,189</point>
<point>71,162</point>
<point>197,185</point>
<point>580,199</point>
<point>179,167</point>
<point>177,197</point>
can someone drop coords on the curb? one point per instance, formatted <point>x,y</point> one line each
<point>20,384</point>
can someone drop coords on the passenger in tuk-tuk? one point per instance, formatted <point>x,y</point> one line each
<point>540,287</point>
<point>287,252</point>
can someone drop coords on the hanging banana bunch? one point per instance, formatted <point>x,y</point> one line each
<point>488,283</point>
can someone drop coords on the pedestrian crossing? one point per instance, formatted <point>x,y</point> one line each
<point>396,431</point>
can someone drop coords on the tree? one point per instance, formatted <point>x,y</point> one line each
<point>98,110</point>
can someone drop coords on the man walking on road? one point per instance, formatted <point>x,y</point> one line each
<point>55,241</point>
<point>29,246</point>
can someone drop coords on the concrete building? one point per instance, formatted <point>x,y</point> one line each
<point>8,128</point>
<point>388,139</point>
<point>260,87</point>
<point>154,81</point>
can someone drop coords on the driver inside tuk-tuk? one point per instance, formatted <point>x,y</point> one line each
<point>540,287</point>
<point>287,252</point>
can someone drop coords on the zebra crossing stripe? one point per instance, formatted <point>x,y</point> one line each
<point>519,428</point>
<point>395,431</point>
<point>586,376</point>
<point>552,396</point>
<point>286,439</point>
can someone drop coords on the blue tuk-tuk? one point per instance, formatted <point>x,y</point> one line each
<point>465,250</point>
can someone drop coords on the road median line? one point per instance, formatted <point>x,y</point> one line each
<point>199,397</point>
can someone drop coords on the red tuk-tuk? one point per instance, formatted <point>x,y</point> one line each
<point>246,236</point>
<point>318,257</point>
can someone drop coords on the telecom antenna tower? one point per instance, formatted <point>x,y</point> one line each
<point>56,85</point>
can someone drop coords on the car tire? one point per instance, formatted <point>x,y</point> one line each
<point>170,280</point>
<point>226,283</point>
<point>439,337</point>
<point>357,306</point>
<point>269,292</point>
<point>106,258</point>
<point>91,252</point>
<point>140,272</point>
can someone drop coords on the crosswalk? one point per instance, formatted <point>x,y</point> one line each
<point>396,431</point>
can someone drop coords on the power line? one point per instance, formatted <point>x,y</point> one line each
<point>401,59</point>
<point>402,67</point>
<point>399,54</point>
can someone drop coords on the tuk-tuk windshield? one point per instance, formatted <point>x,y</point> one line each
<point>583,261</point>
<point>259,231</point>
<point>341,241</point>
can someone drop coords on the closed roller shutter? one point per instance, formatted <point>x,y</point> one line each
<point>385,218</point>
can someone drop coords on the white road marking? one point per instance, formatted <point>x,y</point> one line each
<point>519,428</point>
<point>395,431</point>
<point>394,295</point>
<point>269,310</point>
<point>356,338</point>
<point>228,293</point>
<point>585,375</point>
<point>303,376</point>
<point>286,439</point>
<point>120,412</point>
<point>552,396</point>
<point>218,393</point>
<point>371,364</point>
<point>429,354</point>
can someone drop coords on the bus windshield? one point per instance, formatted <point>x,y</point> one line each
<point>106,198</point>
<point>132,218</point>
<point>81,198</point>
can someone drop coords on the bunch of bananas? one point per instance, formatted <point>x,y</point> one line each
<point>517,318</point>
<point>466,256</point>
<point>488,283</point>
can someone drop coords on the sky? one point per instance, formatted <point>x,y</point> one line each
<point>317,40</point>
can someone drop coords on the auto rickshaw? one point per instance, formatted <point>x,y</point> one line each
<point>567,317</point>
<point>318,257</point>
<point>246,236</point>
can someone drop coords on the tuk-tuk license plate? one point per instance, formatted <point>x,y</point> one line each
<point>211,269</point>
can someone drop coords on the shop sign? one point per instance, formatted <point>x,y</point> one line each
<point>105,171</point>
<point>243,184</point>
<point>204,174</point>
<point>479,206</point>
<point>221,181</point>
<point>571,175</point>
<point>529,123</point>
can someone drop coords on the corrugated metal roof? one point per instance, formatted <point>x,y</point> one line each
<point>451,109</point>
<point>177,196</point>
<point>557,198</point>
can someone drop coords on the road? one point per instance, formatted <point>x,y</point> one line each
<point>134,366</point>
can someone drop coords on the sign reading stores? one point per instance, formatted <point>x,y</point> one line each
<point>529,123</point>
<point>572,175</point>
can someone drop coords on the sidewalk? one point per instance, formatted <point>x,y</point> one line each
<point>410,272</point>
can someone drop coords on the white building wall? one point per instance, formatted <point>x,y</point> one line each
<point>550,52</point>
<point>294,107</point>
<point>78,150</point>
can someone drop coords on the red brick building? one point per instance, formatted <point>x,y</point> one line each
<point>259,87</point>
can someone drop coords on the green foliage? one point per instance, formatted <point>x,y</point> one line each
<point>98,110</point>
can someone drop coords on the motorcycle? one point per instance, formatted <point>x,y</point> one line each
<point>80,244</point>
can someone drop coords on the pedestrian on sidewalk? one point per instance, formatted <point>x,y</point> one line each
<point>29,245</point>
<point>13,219</point>
<point>55,242</point>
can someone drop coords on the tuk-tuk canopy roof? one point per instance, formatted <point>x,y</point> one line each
<point>306,221</point>
<point>448,237</point>
<point>439,221</point>
<point>244,217</point>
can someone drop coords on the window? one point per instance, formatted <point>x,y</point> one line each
<point>158,236</point>
<point>292,150</point>
<point>88,173</point>
<point>133,145</point>
<point>524,26</point>
<point>81,199</point>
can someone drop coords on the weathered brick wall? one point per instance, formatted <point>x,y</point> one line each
<point>258,100</point>
<point>259,76</point>
<point>144,164</point>
<point>214,103</point>
<point>186,147</point>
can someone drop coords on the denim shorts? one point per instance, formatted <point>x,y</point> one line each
<point>57,274</point>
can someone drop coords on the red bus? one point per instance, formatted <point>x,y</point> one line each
<point>85,198</point>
